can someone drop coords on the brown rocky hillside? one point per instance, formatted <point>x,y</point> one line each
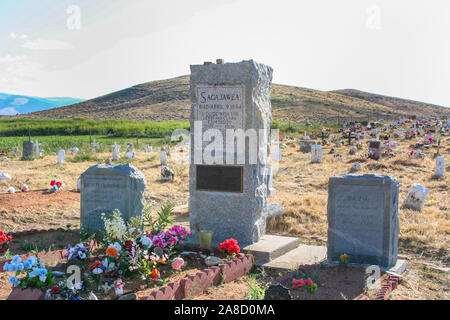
<point>169,100</point>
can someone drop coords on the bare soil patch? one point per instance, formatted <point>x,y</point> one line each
<point>37,200</point>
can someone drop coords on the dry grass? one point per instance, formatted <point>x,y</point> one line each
<point>302,188</point>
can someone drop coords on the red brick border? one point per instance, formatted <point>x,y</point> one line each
<point>387,286</point>
<point>193,285</point>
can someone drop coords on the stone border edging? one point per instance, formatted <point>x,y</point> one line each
<point>193,285</point>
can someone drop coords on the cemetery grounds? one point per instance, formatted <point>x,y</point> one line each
<point>301,188</point>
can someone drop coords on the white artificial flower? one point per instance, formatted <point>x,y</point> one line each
<point>146,241</point>
<point>97,271</point>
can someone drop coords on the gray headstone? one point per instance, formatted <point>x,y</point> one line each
<point>107,187</point>
<point>28,150</point>
<point>363,219</point>
<point>229,96</point>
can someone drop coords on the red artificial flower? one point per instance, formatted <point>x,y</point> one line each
<point>96,264</point>
<point>128,244</point>
<point>59,184</point>
<point>297,283</point>
<point>155,274</point>
<point>55,290</point>
<point>230,246</point>
<point>53,182</point>
<point>308,282</point>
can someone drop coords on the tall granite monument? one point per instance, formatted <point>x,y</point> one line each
<point>363,219</point>
<point>107,187</point>
<point>228,186</point>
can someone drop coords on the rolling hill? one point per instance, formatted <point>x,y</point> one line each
<point>169,100</point>
<point>11,104</point>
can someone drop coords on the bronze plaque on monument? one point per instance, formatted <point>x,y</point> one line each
<point>219,178</point>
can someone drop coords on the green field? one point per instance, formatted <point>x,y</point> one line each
<point>66,133</point>
<point>55,143</point>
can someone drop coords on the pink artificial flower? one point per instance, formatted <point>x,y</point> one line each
<point>177,263</point>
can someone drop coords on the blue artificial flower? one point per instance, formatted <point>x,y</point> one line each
<point>30,262</point>
<point>34,273</point>
<point>43,277</point>
<point>14,281</point>
<point>19,266</point>
<point>16,259</point>
<point>5,266</point>
<point>12,267</point>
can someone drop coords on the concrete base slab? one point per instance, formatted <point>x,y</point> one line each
<point>399,267</point>
<point>270,247</point>
<point>303,254</point>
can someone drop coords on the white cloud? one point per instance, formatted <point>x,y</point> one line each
<point>43,44</point>
<point>12,35</point>
<point>23,36</point>
<point>19,101</point>
<point>10,58</point>
<point>8,112</point>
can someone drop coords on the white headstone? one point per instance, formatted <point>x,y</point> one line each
<point>149,148</point>
<point>316,153</point>
<point>94,146</point>
<point>163,157</point>
<point>130,155</point>
<point>415,198</point>
<point>61,156</point>
<point>440,166</point>
<point>116,151</point>
<point>37,144</point>
<point>276,153</point>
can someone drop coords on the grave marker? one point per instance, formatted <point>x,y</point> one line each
<point>229,196</point>
<point>363,219</point>
<point>316,153</point>
<point>27,152</point>
<point>107,187</point>
<point>61,156</point>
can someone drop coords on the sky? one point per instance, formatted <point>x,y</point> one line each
<point>87,48</point>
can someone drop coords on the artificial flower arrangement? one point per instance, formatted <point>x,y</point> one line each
<point>25,188</point>
<point>65,290</point>
<point>56,185</point>
<point>231,247</point>
<point>343,259</point>
<point>5,239</point>
<point>36,275</point>
<point>305,280</point>
<point>77,253</point>
<point>3,153</point>
<point>306,285</point>
<point>128,251</point>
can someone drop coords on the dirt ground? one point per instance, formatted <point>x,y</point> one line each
<point>301,187</point>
